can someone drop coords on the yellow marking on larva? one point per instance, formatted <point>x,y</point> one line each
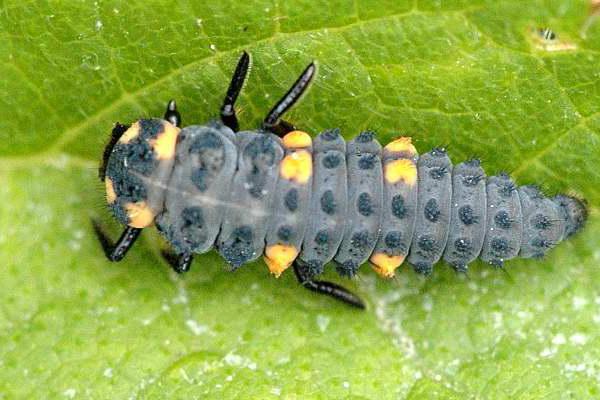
<point>111,195</point>
<point>297,166</point>
<point>385,265</point>
<point>403,144</point>
<point>297,139</point>
<point>164,144</point>
<point>402,169</point>
<point>279,257</point>
<point>139,214</point>
<point>130,134</point>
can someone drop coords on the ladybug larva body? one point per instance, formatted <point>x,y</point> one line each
<point>277,192</point>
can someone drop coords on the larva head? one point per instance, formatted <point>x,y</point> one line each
<point>137,166</point>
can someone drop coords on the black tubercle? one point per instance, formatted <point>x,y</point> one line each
<point>467,215</point>
<point>472,180</point>
<point>398,208</point>
<point>438,172</point>
<point>238,248</point>
<point>330,134</point>
<point>331,161</point>
<point>438,152</point>
<point>423,268</point>
<point>365,137</point>
<point>432,211</point>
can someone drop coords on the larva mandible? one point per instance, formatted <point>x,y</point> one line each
<point>306,202</point>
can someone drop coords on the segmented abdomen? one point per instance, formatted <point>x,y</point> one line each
<point>323,200</point>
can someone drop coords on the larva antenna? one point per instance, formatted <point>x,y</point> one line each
<point>291,97</point>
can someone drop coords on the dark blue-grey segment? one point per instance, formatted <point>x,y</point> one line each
<point>399,209</point>
<point>327,216</point>
<point>244,226</point>
<point>504,221</point>
<point>433,210</point>
<point>544,223</point>
<point>465,237</point>
<point>365,194</point>
<point>198,190</point>
<point>290,208</point>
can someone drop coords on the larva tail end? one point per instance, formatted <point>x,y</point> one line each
<point>575,211</point>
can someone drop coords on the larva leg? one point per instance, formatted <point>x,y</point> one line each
<point>327,288</point>
<point>115,252</point>
<point>272,121</point>
<point>172,115</point>
<point>235,87</point>
<point>282,128</point>
<point>116,133</point>
<point>180,263</point>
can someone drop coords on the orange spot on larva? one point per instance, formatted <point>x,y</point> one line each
<point>297,166</point>
<point>131,133</point>
<point>401,169</point>
<point>403,144</point>
<point>385,265</point>
<point>164,144</point>
<point>139,214</point>
<point>297,139</point>
<point>111,195</point>
<point>279,257</point>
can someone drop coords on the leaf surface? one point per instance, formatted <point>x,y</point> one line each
<point>474,76</point>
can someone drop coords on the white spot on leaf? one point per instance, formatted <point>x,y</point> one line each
<point>196,328</point>
<point>323,322</point>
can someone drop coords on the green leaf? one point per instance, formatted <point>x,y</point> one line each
<point>472,75</point>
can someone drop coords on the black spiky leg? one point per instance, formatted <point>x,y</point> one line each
<point>115,135</point>
<point>180,263</point>
<point>172,115</point>
<point>326,288</point>
<point>233,91</point>
<point>116,251</point>
<point>273,121</point>
<point>282,128</point>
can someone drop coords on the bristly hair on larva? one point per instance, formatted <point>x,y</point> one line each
<point>305,202</point>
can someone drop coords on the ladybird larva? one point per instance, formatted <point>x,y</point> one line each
<point>304,202</point>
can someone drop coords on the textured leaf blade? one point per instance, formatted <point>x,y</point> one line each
<point>470,75</point>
